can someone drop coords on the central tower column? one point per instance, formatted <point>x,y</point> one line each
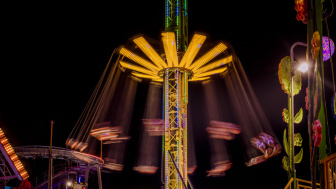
<point>175,82</point>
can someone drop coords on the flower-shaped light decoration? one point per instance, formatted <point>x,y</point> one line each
<point>284,74</point>
<point>301,9</point>
<point>333,106</point>
<point>317,136</point>
<point>328,50</point>
<point>315,41</point>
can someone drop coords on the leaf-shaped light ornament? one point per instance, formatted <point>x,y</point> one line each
<point>285,163</point>
<point>297,139</point>
<point>333,106</point>
<point>284,74</point>
<point>285,142</point>
<point>298,116</point>
<point>297,81</point>
<point>317,95</point>
<point>298,157</point>
<point>285,117</point>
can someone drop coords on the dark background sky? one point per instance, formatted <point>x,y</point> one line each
<point>54,53</point>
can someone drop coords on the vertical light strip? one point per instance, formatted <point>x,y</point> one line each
<point>177,95</point>
<point>178,119</point>
<point>177,25</point>
<point>184,149</point>
<point>177,165</point>
<point>167,14</point>
<point>167,168</point>
<point>185,8</point>
<point>167,126</point>
<point>185,87</point>
<point>167,94</point>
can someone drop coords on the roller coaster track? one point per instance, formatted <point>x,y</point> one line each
<point>59,153</point>
<point>78,162</point>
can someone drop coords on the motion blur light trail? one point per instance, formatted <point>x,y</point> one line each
<point>151,131</point>
<point>114,97</point>
<point>248,112</point>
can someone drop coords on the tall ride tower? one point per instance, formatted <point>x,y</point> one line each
<point>175,67</point>
<point>176,98</point>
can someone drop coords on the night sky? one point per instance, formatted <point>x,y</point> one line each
<point>54,53</point>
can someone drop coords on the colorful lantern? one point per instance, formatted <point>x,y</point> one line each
<point>328,50</point>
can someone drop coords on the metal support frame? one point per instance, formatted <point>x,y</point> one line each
<point>175,116</point>
<point>191,186</point>
<point>5,173</point>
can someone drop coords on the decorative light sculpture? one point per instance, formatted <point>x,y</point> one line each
<point>328,50</point>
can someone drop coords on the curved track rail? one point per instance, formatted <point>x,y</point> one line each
<point>59,153</point>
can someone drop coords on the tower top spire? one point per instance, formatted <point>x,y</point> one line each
<point>176,20</point>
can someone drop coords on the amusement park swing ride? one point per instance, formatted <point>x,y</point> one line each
<point>170,65</point>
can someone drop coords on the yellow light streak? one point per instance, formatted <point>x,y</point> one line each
<point>208,56</point>
<point>169,44</point>
<point>214,65</point>
<point>212,72</point>
<point>193,48</point>
<point>136,68</point>
<point>145,75</point>
<point>136,58</point>
<point>158,80</point>
<point>150,52</point>
<point>199,78</point>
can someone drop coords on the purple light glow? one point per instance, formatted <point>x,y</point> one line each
<point>326,50</point>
